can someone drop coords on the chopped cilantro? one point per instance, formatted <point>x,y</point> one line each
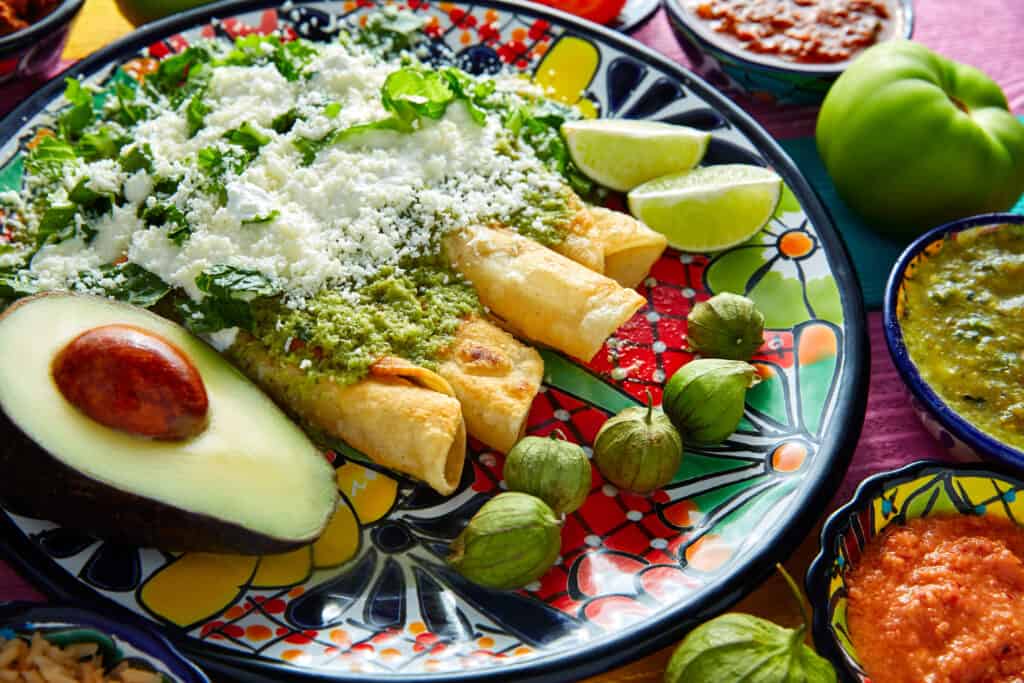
<point>49,156</point>
<point>74,120</point>
<point>248,138</point>
<point>195,113</point>
<point>256,220</point>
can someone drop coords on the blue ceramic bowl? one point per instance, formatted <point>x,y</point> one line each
<point>921,489</point>
<point>761,77</point>
<point>958,436</point>
<point>119,641</point>
<point>35,51</point>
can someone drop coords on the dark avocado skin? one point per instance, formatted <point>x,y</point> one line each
<point>36,484</point>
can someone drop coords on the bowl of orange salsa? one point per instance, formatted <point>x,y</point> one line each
<point>920,578</point>
<point>783,51</point>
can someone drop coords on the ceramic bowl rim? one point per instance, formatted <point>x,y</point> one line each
<point>63,14</point>
<point>921,389</point>
<point>17,614</point>
<point>816,581</point>
<point>683,19</point>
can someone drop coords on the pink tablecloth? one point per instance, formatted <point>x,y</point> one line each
<point>980,32</point>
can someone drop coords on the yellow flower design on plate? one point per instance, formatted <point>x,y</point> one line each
<point>196,587</point>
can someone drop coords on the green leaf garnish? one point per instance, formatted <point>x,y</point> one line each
<point>248,138</point>
<point>256,220</point>
<point>195,113</point>
<point>285,122</point>
<point>539,126</point>
<point>57,224</point>
<point>49,156</point>
<point>229,292</point>
<point>79,115</point>
<point>138,158</point>
<point>169,216</point>
<point>332,110</point>
<point>103,143</point>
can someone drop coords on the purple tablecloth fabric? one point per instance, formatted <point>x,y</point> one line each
<point>984,33</point>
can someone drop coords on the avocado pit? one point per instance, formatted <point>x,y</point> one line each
<point>133,380</point>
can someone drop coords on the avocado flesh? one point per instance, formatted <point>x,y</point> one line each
<point>251,482</point>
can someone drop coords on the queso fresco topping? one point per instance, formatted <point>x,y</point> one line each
<point>264,185</point>
<point>938,600</point>
<point>963,324</point>
<point>811,31</point>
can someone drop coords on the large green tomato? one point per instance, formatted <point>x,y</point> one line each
<point>913,140</point>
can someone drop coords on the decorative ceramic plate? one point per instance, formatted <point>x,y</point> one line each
<point>921,489</point>
<point>374,598</point>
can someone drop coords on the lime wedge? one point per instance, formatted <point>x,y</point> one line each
<point>622,154</point>
<point>711,208</point>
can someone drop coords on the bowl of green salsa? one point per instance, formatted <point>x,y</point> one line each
<point>954,324</point>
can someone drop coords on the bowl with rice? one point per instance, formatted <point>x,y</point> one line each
<point>56,644</point>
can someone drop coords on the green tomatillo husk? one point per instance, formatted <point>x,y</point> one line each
<point>553,469</point>
<point>725,326</point>
<point>511,541</point>
<point>705,398</point>
<point>741,647</point>
<point>638,449</point>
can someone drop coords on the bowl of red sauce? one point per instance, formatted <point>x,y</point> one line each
<point>783,51</point>
<point>920,577</point>
<point>32,36</point>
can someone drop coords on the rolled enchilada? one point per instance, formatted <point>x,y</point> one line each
<point>495,377</point>
<point>540,294</point>
<point>610,242</point>
<point>401,416</point>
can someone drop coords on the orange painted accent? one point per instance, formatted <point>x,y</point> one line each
<point>519,34</point>
<point>816,342</point>
<point>417,627</point>
<point>432,665</point>
<point>764,371</point>
<point>466,38</point>
<point>258,632</point>
<point>363,19</point>
<point>340,636</point>
<point>349,6</point>
<point>789,457</point>
<point>296,592</point>
<point>683,513</point>
<point>40,134</point>
<point>708,553</point>
<point>331,651</point>
<point>234,612</point>
<point>446,7</point>
<point>485,643</point>
<point>796,244</point>
<point>295,656</point>
<point>491,17</point>
<point>390,652</point>
<point>520,651</point>
<point>140,67</point>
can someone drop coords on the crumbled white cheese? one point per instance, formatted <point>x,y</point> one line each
<point>222,340</point>
<point>363,204</point>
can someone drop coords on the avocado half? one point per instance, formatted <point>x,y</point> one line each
<point>250,483</point>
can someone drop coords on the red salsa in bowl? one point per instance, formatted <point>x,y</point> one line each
<point>802,31</point>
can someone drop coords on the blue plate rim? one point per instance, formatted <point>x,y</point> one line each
<point>18,614</point>
<point>816,581</point>
<point>683,21</point>
<point>922,390</point>
<point>822,480</point>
